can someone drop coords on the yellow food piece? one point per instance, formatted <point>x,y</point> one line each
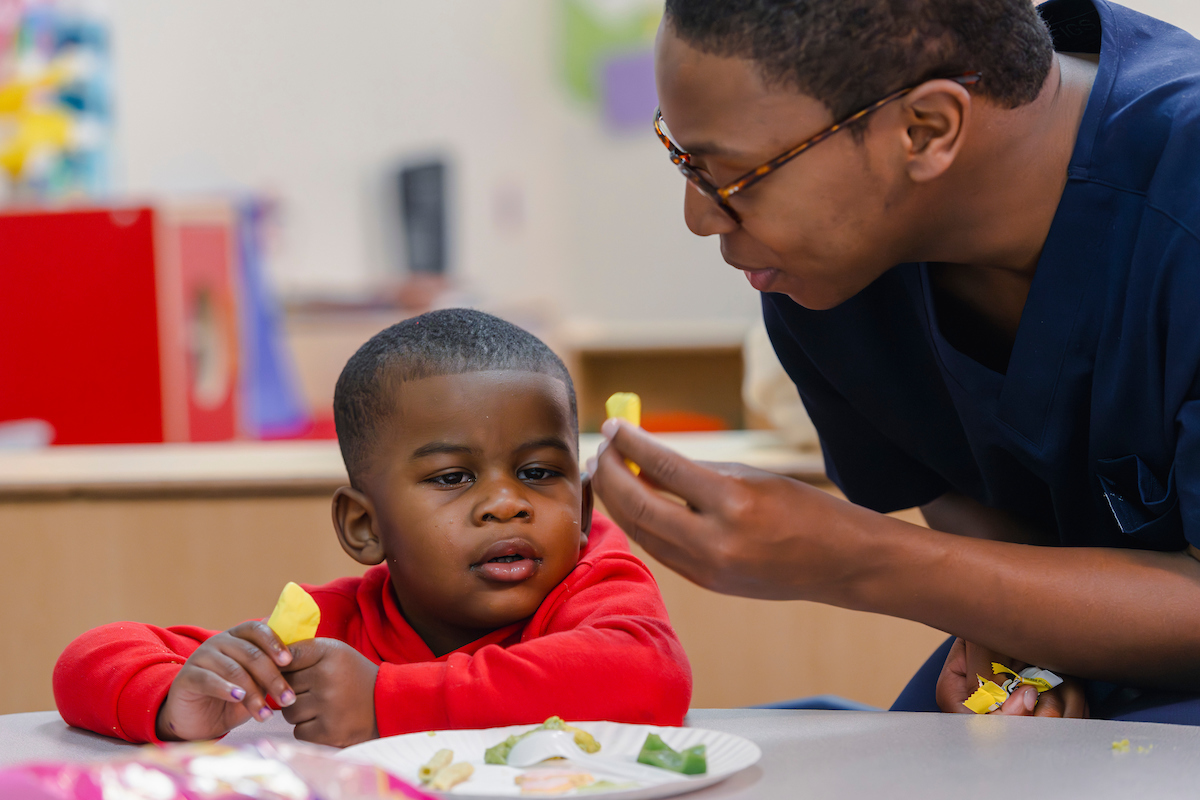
<point>627,406</point>
<point>296,615</point>
<point>451,776</point>
<point>586,742</point>
<point>1121,746</point>
<point>624,405</point>
<point>441,759</point>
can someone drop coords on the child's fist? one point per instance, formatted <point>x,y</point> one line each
<point>224,683</point>
<point>335,693</point>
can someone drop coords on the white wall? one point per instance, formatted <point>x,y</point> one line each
<point>312,100</point>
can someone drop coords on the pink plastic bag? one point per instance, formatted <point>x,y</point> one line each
<point>208,771</point>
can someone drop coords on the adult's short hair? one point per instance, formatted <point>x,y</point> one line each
<point>850,53</point>
<point>452,341</point>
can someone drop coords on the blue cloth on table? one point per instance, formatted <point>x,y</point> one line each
<point>821,702</point>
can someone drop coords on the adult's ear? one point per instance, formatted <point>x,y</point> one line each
<point>935,116</point>
<point>354,521</point>
<point>589,502</point>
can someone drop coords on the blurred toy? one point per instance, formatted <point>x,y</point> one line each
<point>54,107</point>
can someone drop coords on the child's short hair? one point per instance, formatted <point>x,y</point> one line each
<point>452,341</point>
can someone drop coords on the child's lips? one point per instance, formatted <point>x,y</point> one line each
<point>509,561</point>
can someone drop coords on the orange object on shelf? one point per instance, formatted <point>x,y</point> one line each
<point>681,422</point>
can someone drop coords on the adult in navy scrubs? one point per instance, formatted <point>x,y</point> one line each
<point>986,287</point>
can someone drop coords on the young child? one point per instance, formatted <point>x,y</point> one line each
<point>494,596</point>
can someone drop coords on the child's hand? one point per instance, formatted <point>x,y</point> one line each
<point>225,683</point>
<point>966,660</point>
<point>335,693</point>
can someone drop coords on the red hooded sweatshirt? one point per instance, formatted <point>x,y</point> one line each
<point>599,646</point>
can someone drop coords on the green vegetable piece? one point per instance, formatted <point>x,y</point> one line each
<point>657,753</point>
<point>695,760</point>
<point>655,742</point>
<point>499,753</point>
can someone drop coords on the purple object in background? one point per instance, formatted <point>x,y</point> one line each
<point>629,96</point>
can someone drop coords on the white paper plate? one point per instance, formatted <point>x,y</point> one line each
<point>403,756</point>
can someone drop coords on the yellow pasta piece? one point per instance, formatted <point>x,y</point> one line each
<point>627,406</point>
<point>296,615</point>
<point>441,759</point>
<point>449,777</point>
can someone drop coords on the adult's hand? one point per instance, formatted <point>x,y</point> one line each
<point>966,660</point>
<point>738,530</point>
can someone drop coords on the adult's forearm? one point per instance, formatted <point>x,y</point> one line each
<point>1120,615</point>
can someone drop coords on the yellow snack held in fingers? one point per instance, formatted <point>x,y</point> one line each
<point>627,406</point>
<point>296,615</point>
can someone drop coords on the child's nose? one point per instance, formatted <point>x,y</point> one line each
<point>503,503</point>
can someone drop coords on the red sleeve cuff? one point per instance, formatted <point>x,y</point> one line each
<point>140,700</point>
<point>411,697</point>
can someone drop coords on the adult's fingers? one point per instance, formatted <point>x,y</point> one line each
<point>641,511</point>
<point>953,686</point>
<point>1050,704</point>
<point>1020,703</point>
<point>1065,700</point>
<point>1076,706</point>
<point>697,485</point>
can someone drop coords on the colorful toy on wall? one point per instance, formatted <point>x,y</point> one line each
<point>54,101</point>
<point>607,58</point>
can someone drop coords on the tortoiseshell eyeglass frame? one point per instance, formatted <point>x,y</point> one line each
<point>721,194</point>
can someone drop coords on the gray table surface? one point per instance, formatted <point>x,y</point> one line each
<point>843,754</point>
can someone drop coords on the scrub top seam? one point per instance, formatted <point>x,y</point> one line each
<point>1150,204</point>
<point>1183,226</point>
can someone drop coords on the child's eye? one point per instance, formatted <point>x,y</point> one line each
<point>452,479</point>
<point>537,474</point>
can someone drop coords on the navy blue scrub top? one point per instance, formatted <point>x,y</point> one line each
<point>1092,434</point>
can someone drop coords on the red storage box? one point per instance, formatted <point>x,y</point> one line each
<point>120,325</point>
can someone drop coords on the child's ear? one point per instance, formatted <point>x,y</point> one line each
<point>354,521</point>
<point>585,513</point>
